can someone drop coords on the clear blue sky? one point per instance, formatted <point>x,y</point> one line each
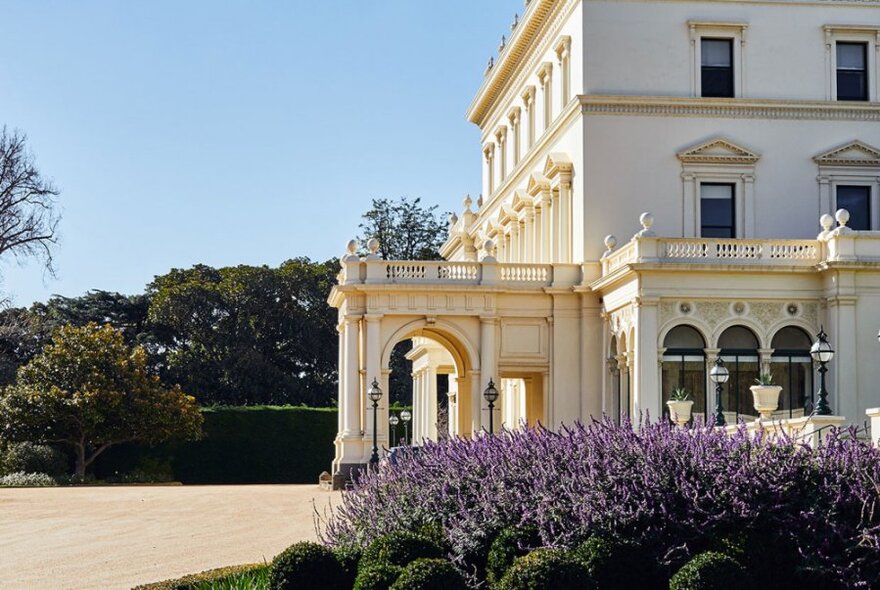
<point>236,132</point>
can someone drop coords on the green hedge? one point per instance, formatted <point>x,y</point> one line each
<point>259,444</point>
<point>254,571</point>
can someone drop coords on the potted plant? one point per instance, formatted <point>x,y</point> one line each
<point>680,406</point>
<point>765,395</point>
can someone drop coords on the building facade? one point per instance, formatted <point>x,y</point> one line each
<point>745,128</point>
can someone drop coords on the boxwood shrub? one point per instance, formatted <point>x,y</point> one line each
<point>710,570</point>
<point>348,557</point>
<point>511,542</point>
<point>399,549</point>
<point>379,576</point>
<point>430,574</point>
<point>547,569</point>
<point>302,565</point>
<point>610,563</point>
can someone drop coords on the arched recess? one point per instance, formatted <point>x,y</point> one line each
<point>464,356</point>
<point>739,350</point>
<point>792,369</point>
<point>684,366</point>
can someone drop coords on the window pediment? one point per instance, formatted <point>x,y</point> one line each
<point>556,163</point>
<point>854,153</point>
<point>521,201</point>
<point>537,183</point>
<point>719,151</point>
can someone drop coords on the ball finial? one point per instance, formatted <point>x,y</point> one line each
<point>351,247</point>
<point>373,245</point>
<point>610,242</point>
<point>842,217</point>
<point>489,247</point>
<point>647,220</point>
<point>827,222</point>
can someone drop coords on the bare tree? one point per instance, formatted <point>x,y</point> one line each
<point>28,217</point>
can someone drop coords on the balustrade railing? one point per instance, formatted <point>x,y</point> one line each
<point>746,251</point>
<point>526,273</point>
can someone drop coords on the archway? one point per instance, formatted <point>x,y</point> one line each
<point>739,351</point>
<point>792,368</point>
<point>441,366</point>
<point>684,366</point>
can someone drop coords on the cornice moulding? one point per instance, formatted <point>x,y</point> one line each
<point>731,108</point>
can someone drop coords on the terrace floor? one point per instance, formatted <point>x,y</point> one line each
<point>118,537</point>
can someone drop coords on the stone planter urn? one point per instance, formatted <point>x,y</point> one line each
<point>766,399</point>
<point>680,411</point>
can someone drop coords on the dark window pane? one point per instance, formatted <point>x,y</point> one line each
<point>716,211</point>
<point>717,67</point>
<point>852,71</point>
<point>856,200</point>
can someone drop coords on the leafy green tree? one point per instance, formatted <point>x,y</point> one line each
<point>90,391</point>
<point>406,230</point>
<point>248,334</point>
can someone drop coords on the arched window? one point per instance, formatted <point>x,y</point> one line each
<point>684,366</point>
<point>792,368</point>
<point>739,351</point>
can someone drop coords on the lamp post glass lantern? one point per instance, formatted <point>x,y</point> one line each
<point>822,353</point>
<point>406,416</point>
<point>719,376</point>
<point>393,420</point>
<point>491,396</point>
<point>375,394</point>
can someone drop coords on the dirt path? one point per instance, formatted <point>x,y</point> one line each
<point>117,537</point>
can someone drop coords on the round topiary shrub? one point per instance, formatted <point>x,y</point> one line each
<point>399,548</point>
<point>306,565</point>
<point>430,574</point>
<point>510,543</point>
<point>348,557</point>
<point>547,569</point>
<point>379,576</point>
<point>710,571</point>
<point>31,457</point>
<point>610,563</point>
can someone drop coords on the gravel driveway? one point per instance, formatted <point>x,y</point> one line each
<point>117,537</point>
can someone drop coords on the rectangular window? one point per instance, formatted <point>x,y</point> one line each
<point>716,67</point>
<point>856,200</point>
<point>852,71</point>
<point>717,211</point>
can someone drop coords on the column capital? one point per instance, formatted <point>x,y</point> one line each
<point>373,317</point>
<point>352,319</point>
<point>489,319</point>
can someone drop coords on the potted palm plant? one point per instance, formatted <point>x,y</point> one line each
<point>765,395</point>
<point>680,407</point>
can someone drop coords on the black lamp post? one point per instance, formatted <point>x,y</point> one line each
<point>393,420</point>
<point>719,376</point>
<point>375,394</point>
<point>491,396</point>
<point>822,353</point>
<point>406,416</point>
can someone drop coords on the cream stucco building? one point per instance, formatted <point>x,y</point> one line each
<point>738,125</point>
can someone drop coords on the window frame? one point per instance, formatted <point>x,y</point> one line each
<point>736,32</point>
<point>867,34</point>
<point>872,197</point>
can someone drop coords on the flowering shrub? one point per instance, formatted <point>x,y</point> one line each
<point>20,479</point>
<point>674,493</point>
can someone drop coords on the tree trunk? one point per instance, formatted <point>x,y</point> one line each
<point>80,461</point>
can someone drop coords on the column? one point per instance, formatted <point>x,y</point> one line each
<point>764,355</point>
<point>537,238</point>
<point>646,393</point>
<point>749,205</point>
<point>340,386</point>
<point>350,379</point>
<point>711,356</point>
<point>514,241</point>
<point>825,205</point>
<point>523,237</point>
<point>431,402</point>
<point>489,174</point>
<point>529,235</point>
<point>689,197</point>
<point>514,118</point>
<point>546,227</point>
<point>554,241</point>
<point>488,364</point>
<point>566,358</point>
<point>372,352</point>
<point>842,384</point>
<point>565,218</point>
<point>501,138</point>
<point>528,98</point>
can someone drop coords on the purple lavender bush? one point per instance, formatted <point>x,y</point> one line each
<point>672,492</point>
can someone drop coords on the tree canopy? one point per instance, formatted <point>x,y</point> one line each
<point>89,390</point>
<point>406,229</point>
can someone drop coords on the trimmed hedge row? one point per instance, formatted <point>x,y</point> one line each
<point>194,581</point>
<point>255,444</point>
